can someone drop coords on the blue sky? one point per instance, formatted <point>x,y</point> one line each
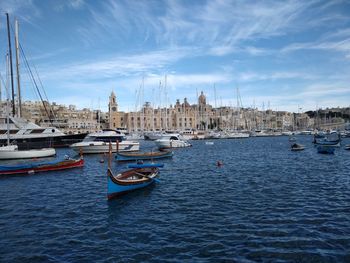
<point>286,54</point>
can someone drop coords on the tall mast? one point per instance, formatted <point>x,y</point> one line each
<point>7,101</point>
<point>166,103</point>
<point>11,70</point>
<point>19,109</point>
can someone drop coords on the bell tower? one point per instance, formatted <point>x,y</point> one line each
<point>113,111</point>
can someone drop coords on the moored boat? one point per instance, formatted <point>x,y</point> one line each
<point>129,180</point>
<point>34,167</point>
<point>146,165</point>
<point>297,147</point>
<point>331,139</point>
<point>134,156</point>
<point>98,142</point>
<point>11,152</point>
<point>326,149</point>
<point>172,141</point>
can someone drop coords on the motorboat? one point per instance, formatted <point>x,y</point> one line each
<point>11,152</point>
<point>235,135</point>
<point>153,135</point>
<point>98,142</point>
<point>27,135</point>
<point>172,141</point>
<point>191,134</point>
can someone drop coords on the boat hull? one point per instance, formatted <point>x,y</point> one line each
<point>143,156</point>
<point>43,167</point>
<point>167,144</point>
<point>27,154</point>
<point>325,149</point>
<point>117,187</point>
<point>102,147</point>
<point>25,143</point>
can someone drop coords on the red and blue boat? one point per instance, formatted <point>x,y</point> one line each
<point>35,167</point>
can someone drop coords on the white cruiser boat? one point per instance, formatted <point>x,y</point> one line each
<point>26,134</point>
<point>12,152</point>
<point>172,141</point>
<point>235,135</point>
<point>98,142</point>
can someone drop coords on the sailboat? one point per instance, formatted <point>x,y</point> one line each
<point>11,151</point>
<point>23,132</point>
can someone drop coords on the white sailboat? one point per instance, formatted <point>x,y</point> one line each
<point>11,151</point>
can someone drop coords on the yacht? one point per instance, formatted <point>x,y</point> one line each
<point>153,135</point>
<point>190,134</point>
<point>172,141</point>
<point>98,142</point>
<point>27,135</point>
<point>235,135</point>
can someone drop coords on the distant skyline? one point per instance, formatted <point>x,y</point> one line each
<point>291,55</point>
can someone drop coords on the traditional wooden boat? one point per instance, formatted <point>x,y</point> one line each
<point>130,180</point>
<point>297,147</point>
<point>34,167</point>
<point>135,156</point>
<point>326,149</point>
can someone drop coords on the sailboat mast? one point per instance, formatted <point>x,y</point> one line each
<point>19,109</point>
<point>7,101</point>
<point>11,69</point>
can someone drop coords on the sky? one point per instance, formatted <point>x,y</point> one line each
<point>282,55</point>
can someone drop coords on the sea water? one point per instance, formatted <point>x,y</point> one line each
<point>264,203</point>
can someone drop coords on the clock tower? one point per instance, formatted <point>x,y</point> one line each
<point>113,111</point>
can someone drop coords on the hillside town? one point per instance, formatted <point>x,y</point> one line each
<point>178,117</point>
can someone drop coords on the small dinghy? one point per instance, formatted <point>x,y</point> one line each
<point>297,147</point>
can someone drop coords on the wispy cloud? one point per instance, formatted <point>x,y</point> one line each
<point>25,10</point>
<point>122,65</point>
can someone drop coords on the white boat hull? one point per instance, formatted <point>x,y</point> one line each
<point>7,153</point>
<point>172,144</point>
<point>103,147</point>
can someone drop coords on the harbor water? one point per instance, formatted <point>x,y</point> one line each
<point>264,203</point>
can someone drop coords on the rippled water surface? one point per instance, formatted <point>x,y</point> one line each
<point>265,203</point>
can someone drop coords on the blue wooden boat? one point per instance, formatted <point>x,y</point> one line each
<point>130,180</point>
<point>146,165</point>
<point>135,156</point>
<point>326,149</point>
